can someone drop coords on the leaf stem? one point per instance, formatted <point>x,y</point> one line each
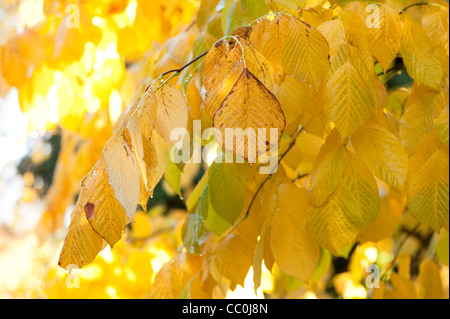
<point>399,248</point>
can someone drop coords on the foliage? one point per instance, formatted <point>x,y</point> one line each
<point>360,101</point>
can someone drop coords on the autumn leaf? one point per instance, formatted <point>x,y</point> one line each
<point>427,182</point>
<point>350,209</point>
<point>248,108</point>
<point>172,111</point>
<point>382,152</point>
<point>305,53</point>
<point>421,61</point>
<point>327,170</point>
<point>223,66</point>
<point>347,102</point>
<point>294,250</point>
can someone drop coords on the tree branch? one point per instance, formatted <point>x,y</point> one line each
<point>414,5</point>
<point>176,71</point>
<point>399,248</point>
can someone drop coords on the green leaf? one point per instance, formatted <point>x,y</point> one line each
<point>226,183</point>
<point>172,175</point>
<point>238,13</point>
<point>193,230</point>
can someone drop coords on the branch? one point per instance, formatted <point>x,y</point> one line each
<point>175,71</point>
<point>415,5</point>
<point>399,248</point>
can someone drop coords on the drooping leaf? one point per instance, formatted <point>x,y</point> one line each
<point>268,37</point>
<point>382,152</point>
<point>224,65</point>
<point>441,124</point>
<point>348,101</point>
<point>422,62</point>
<point>351,208</point>
<point>172,111</point>
<point>423,105</point>
<point>427,182</point>
<point>305,53</point>
<point>327,170</point>
<point>122,173</point>
<point>294,250</point>
<point>430,280</point>
<point>253,115</point>
<point>384,30</point>
<point>169,282</point>
<point>82,243</point>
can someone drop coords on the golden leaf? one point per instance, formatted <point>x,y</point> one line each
<point>248,108</point>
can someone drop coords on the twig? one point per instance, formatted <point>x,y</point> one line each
<point>176,71</point>
<point>399,247</point>
<point>414,5</point>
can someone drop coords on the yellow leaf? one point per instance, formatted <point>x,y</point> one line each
<point>139,127</point>
<point>248,108</point>
<point>384,29</point>
<point>422,62</point>
<point>103,211</point>
<point>193,96</point>
<point>150,176</point>
<point>357,42</point>
<point>423,105</point>
<point>430,282</point>
<point>169,282</point>
<point>427,182</point>
<point>82,243</point>
<point>233,257</point>
<point>294,250</point>
<point>268,37</point>
<point>382,152</point>
<point>435,23</point>
<point>382,227</point>
<point>348,101</point>
<point>172,111</point>
<point>351,208</point>
<point>258,260</point>
<point>334,33</point>
<point>403,288</point>
<point>224,65</point>
<point>222,69</point>
<point>441,124</point>
<point>293,96</point>
<point>327,170</point>
<point>305,53</point>
<point>123,173</point>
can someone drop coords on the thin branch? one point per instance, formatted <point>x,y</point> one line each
<point>399,248</point>
<point>414,5</point>
<point>176,71</point>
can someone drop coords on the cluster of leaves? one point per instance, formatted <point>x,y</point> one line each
<point>356,155</point>
<point>71,73</point>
